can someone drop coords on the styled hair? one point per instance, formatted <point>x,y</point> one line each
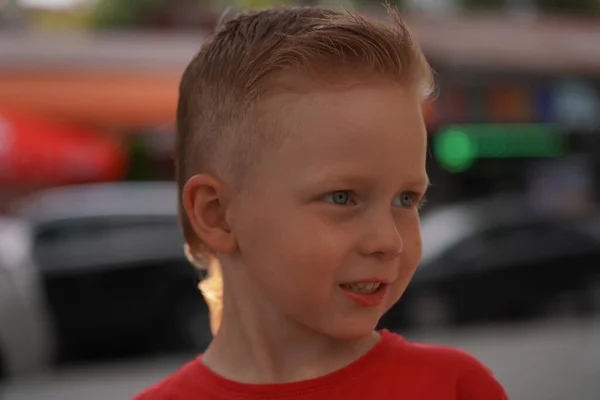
<point>220,122</point>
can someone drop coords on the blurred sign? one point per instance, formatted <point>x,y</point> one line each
<point>543,106</point>
<point>477,104</point>
<point>573,104</point>
<point>456,147</point>
<point>509,103</point>
<point>561,187</point>
<point>577,105</point>
<point>39,152</point>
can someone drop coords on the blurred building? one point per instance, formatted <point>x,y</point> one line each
<point>518,97</point>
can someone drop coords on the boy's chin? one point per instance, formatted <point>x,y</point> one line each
<point>353,330</point>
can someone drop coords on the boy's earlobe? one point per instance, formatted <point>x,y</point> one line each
<point>203,201</point>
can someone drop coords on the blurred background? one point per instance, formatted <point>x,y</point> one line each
<point>96,298</point>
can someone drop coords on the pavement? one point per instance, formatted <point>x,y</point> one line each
<point>548,360</point>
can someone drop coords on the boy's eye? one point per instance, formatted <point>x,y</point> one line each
<point>339,197</point>
<point>406,199</point>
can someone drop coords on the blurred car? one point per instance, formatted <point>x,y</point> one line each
<point>113,270</point>
<point>496,259</point>
<point>26,335</point>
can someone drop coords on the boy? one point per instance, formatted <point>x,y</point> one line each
<point>301,166</point>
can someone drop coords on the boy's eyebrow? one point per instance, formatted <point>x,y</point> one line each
<point>423,183</point>
<point>358,179</point>
<point>329,177</point>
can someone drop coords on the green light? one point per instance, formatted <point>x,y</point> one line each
<point>457,147</point>
<point>455,150</point>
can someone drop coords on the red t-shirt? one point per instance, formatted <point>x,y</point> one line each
<point>393,369</point>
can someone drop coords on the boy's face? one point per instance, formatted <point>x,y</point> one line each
<point>336,204</point>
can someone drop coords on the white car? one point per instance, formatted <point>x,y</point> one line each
<point>27,340</point>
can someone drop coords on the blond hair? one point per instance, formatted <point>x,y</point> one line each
<point>220,125</point>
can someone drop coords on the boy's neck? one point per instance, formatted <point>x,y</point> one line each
<point>254,349</point>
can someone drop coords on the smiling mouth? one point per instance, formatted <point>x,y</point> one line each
<point>362,287</point>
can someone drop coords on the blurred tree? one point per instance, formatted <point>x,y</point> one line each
<point>570,6</point>
<point>483,4</point>
<point>187,15</point>
<point>558,6</point>
<point>348,4</point>
<point>253,4</point>
<point>123,13</point>
<point>257,4</point>
<point>141,165</point>
<point>430,6</point>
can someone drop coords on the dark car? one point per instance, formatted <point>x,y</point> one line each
<point>498,259</point>
<point>114,272</point>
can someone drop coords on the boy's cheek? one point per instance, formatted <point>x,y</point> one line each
<point>410,232</point>
<point>398,288</point>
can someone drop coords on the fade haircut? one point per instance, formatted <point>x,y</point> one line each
<point>220,122</point>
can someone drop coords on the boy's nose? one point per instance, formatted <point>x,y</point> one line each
<point>382,239</point>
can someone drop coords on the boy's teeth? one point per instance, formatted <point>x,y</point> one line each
<point>363,287</point>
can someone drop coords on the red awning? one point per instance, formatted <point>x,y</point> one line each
<point>36,152</point>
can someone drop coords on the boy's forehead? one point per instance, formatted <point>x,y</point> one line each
<point>331,80</point>
<point>354,106</point>
<point>326,134</point>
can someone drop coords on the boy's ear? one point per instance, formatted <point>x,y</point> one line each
<point>204,201</point>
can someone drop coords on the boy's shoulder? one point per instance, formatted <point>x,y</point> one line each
<point>440,355</point>
<point>444,366</point>
<point>183,384</point>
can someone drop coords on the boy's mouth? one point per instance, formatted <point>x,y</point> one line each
<point>362,287</point>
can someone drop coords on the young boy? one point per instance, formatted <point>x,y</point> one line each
<point>301,166</point>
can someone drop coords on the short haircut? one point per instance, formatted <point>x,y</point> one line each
<point>220,124</point>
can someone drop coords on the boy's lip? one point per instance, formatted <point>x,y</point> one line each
<point>368,280</point>
<point>366,300</point>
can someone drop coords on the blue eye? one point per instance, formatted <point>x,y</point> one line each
<point>339,197</point>
<point>404,200</point>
